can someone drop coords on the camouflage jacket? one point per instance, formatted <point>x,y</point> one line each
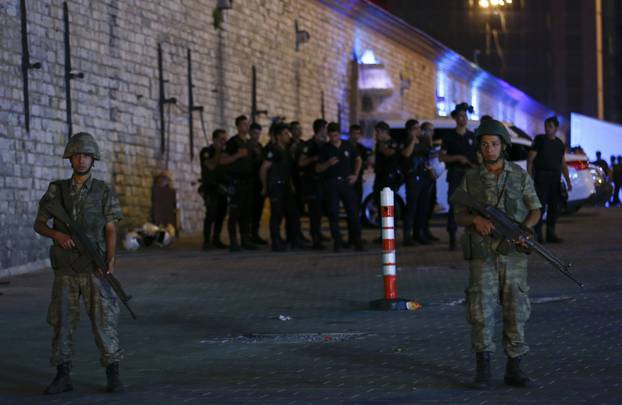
<point>92,206</point>
<point>513,192</point>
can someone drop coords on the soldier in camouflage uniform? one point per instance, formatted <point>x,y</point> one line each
<point>94,206</point>
<point>494,277</point>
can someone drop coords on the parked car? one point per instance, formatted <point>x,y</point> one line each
<point>602,185</point>
<point>583,188</point>
<point>582,183</point>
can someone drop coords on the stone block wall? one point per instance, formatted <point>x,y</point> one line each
<point>114,43</point>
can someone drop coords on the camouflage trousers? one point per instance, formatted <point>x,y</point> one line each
<point>102,307</point>
<point>498,279</point>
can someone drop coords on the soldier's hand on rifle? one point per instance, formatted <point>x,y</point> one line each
<point>352,179</point>
<point>482,225</point>
<point>109,270</point>
<point>64,241</point>
<point>521,242</point>
<point>333,161</point>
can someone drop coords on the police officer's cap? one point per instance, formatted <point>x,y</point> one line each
<point>84,143</point>
<point>493,127</point>
<point>462,107</point>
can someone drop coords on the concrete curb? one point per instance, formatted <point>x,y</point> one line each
<point>25,268</point>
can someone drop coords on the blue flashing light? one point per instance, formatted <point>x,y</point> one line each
<point>368,58</point>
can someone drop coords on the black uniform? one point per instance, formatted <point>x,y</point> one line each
<point>387,168</point>
<point>311,187</point>
<point>419,183</point>
<point>338,189</point>
<point>258,199</point>
<point>296,177</point>
<point>281,194</point>
<point>456,144</point>
<point>388,172</point>
<point>242,174</point>
<point>364,153</point>
<point>547,171</point>
<point>214,192</point>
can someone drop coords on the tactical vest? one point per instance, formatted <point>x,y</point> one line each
<point>91,219</point>
<point>476,246</point>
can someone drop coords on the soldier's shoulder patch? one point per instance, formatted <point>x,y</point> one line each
<point>346,153</point>
<point>270,154</point>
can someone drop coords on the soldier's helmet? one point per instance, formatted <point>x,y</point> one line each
<point>82,142</point>
<point>493,127</point>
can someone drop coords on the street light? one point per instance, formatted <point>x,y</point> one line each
<point>494,3</point>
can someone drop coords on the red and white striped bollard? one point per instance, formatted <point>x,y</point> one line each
<point>389,261</point>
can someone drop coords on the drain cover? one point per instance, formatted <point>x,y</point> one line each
<point>289,338</point>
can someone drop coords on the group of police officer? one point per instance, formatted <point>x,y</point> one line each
<point>316,176</point>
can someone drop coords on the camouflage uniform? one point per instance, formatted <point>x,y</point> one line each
<point>496,278</point>
<point>93,205</point>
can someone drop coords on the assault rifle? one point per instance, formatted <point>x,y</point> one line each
<point>510,232</point>
<point>87,248</point>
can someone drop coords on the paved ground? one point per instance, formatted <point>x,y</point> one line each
<point>195,308</point>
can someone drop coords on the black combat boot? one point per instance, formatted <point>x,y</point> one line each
<point>247,243</point>
<point>337,245</point>
<point>317,243</point>
<point>278,245</point>
<point>514,375</point>
<point>257,240</point>
<point>217,243</point>
<point>62,381</point>
<point>112,375</point>
<point>482,374</point>
<point>358,243</point>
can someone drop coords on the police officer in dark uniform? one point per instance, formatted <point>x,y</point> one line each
<point>276,178</point>
<point>410,178</point>
<point>306,159</point>
<point>419,181</point>
<point>238,160</point>
<point>427,138</point>
<point>258,198</point>
<point>546,164</point>
<point>295,130</point>
<point>387,159</point>
<point>214,189</point>
<point>459,152</point>
<point>340,164</point>
<point>365,153</point>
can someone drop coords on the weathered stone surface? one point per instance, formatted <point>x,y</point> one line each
<point>114,43</point>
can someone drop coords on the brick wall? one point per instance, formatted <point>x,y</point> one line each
<point>115,44</point>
